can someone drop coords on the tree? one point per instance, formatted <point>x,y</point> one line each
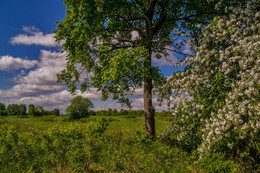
<point>3,109</point>
<point>79,107</point>
<point>39,111</point>
<point>116,39</point>
<point>109,112</point>
<point>13,109</point>
<point>22,109</point>
<point>2,106</point>
<point>56,112</point>
<point>222,80</point>
<point>31,110</point>
<point>115,112</point>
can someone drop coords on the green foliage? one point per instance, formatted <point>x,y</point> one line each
<point>2,109</point>
<point>91,146</point>
<point>2,106</point>
<point>79,108</point>
<point>115,39</point>
<point>13,109</point>
<point>70,148</point>
<point>31,110</point>
<point>22,110</point>
<point>97,126</point>
<point>122,112</point>
<point>56,112</point>
<point>218,163</point>
<point>3,113</point>
<point>164,113</point>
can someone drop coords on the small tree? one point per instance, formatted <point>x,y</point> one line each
<point>31,110</point>
<point>56,112</point>
<point>2,106</point>
<point>13,109</point>
<point>22,109</point>
<point>115,112</point>
<point>79,108</point>
<point>39,111</point>
<point>3,109</point>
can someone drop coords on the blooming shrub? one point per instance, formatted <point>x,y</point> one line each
<point>222,81</point>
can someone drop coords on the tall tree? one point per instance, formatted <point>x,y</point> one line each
<point>116,39</point>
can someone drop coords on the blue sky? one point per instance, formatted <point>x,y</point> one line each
<point>30,58</point>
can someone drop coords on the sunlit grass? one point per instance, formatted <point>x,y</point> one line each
<point>128,126</point>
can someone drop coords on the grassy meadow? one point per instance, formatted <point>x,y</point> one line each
<point>93,144</point>
<point>128,126</point>
<point>96,144</point>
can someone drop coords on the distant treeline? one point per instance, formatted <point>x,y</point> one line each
<point>21,110</point>
<point>123,112</point>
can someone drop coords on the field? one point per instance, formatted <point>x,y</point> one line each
<point>94,144</point>
<point>128,126</point>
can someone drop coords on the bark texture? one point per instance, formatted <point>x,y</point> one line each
<point>148,107</point>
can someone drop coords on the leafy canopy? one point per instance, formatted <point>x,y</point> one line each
<point>113,40</point>
<point>79,108</point>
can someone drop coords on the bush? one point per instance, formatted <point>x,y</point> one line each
<point>218,163</point>
<point>97,126</point>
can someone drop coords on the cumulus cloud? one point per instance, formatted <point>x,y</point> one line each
<point>7,63</point>
<point>33,36</point>
<point>59,100</point>
<point>51,63</point>
<point>25,89</point>
<point>41,80</point>
<point>169,60</point>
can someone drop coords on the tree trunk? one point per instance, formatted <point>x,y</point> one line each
<point>148,104</point>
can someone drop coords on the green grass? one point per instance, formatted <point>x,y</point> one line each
<point>128,126</point>
<point>86,146</point>
<point>39,123</point>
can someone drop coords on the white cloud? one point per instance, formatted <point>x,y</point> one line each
<point>169,60</point>
<point>25,89</point>
<point>30,29</point>
<point>34,37</point>
<point>8,63</point>
<point>51,63</point>
<point>187,49</point>
<point>59,100</point>
<point>42,80</point>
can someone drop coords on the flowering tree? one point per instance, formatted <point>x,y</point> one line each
<point>222,112</point>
